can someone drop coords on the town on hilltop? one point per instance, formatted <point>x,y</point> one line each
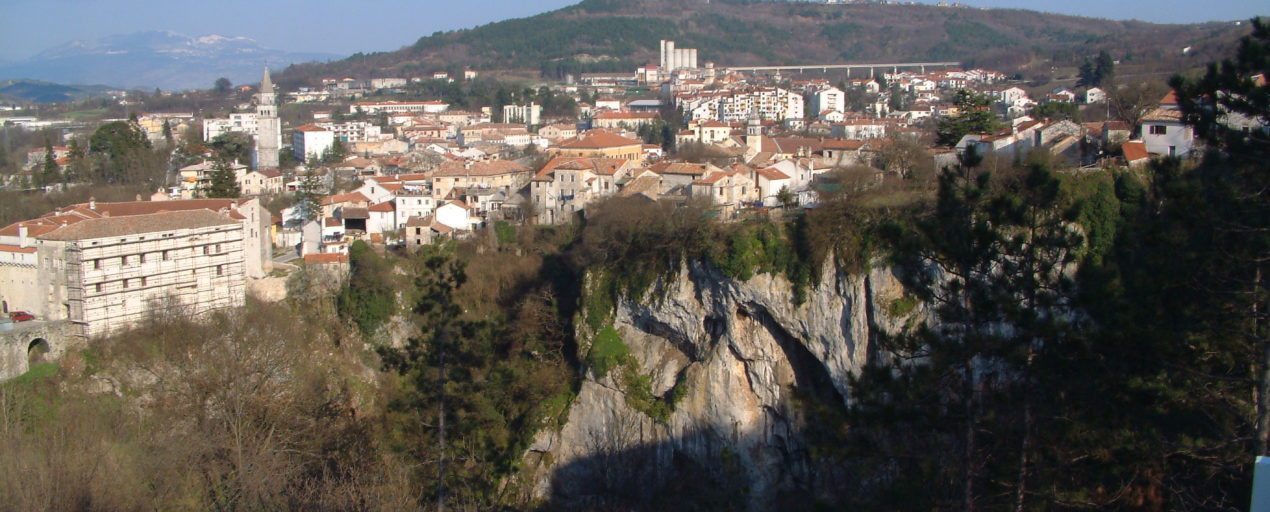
<point>365,159</point>
<point>642,255</point>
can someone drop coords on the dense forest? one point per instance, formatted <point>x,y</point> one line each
<point>1090,341</point>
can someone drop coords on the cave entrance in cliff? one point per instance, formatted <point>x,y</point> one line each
<point>37,351</point>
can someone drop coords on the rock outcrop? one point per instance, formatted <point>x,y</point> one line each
<point>741,360</point>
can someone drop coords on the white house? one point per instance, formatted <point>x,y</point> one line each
<point>310,142</point>
<point>455,214</point>
<point>770,181</point>
<point>382,218</point>
<point>1164,133</point>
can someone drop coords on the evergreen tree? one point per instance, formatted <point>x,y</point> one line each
<point>1098,71</point>
<point>991,262</point>
<point>167,132</point>
<point>49,173</point>
<point>224,181</point>
<point>974,115</point>
<point>309,197</point>
<point>1230,109</point>
<point>79,167</point>
<point>431,361</point>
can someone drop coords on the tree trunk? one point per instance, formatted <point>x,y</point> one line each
<point>441,434</point>
<point>971,427</point>
<point>1021,488</point>
<point>1262,393</point>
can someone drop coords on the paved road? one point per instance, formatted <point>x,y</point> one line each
<point>286,257</point>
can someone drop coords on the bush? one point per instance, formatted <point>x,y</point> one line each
<point>607,352</point>
<point>505,232</point>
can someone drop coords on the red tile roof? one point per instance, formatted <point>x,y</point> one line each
<point>325,259</point>
<point>1135,151</point>
<point>600,139</point>
<point>772,173</point>
<point>14,248</point>
<point>484,168</point>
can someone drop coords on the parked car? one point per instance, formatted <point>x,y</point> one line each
<point>21,316</point>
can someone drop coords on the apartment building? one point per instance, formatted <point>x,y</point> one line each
<point>108,272</point>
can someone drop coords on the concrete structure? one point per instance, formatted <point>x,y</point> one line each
<point>530,114</point>
<point>27,343</point>
<point>268,126</point>
<point>396,107</point>
<point>831,98</point>
<point>894,66</point>
<point>673,59</point>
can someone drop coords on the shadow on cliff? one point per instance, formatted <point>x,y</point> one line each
<point>699,471</point>
<point>718,467</point>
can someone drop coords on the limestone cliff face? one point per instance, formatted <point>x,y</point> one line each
<point>734,354</point>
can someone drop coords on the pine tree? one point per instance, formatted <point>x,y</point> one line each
<point>167,132</point>
<point>49,173</point>
<point>974,115</point>
<point>1229,109</point>
<point>224,181</point>
<point>309,196</point>
<point>432,361</point>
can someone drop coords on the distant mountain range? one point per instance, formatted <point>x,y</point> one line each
<point>23,91</point>
<point>154,59</point>
<point>613,35</point>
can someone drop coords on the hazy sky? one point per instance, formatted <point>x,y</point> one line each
<point>343,26</point>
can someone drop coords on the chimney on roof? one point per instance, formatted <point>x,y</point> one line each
<point>22,233</point>
<point>138,198</point>
<point>92,203</point>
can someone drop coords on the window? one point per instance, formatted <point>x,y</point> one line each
<point>123,260</point>
<point>217,248</point>
<point>143,258</point>
<point>96,264</point>
<point>97,287</point>
<point>167,255</point>
<point>125,284</point>
<point>143,282</point>
<point>220,270</point>
<point>1159,130</point>
<point>207,249</point>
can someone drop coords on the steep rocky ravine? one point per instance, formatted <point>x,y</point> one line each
<point>739,357</point>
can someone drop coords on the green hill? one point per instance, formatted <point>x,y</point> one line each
<point>609,35</point>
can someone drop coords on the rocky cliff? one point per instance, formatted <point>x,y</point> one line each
<point>714,387</point>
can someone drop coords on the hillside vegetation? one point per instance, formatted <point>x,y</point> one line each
<point>606,35</point>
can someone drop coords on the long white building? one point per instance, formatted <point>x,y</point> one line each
<point>106,266</point>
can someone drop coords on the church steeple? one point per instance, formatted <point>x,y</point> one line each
<point>268,129</point>
<point>266,84</point>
